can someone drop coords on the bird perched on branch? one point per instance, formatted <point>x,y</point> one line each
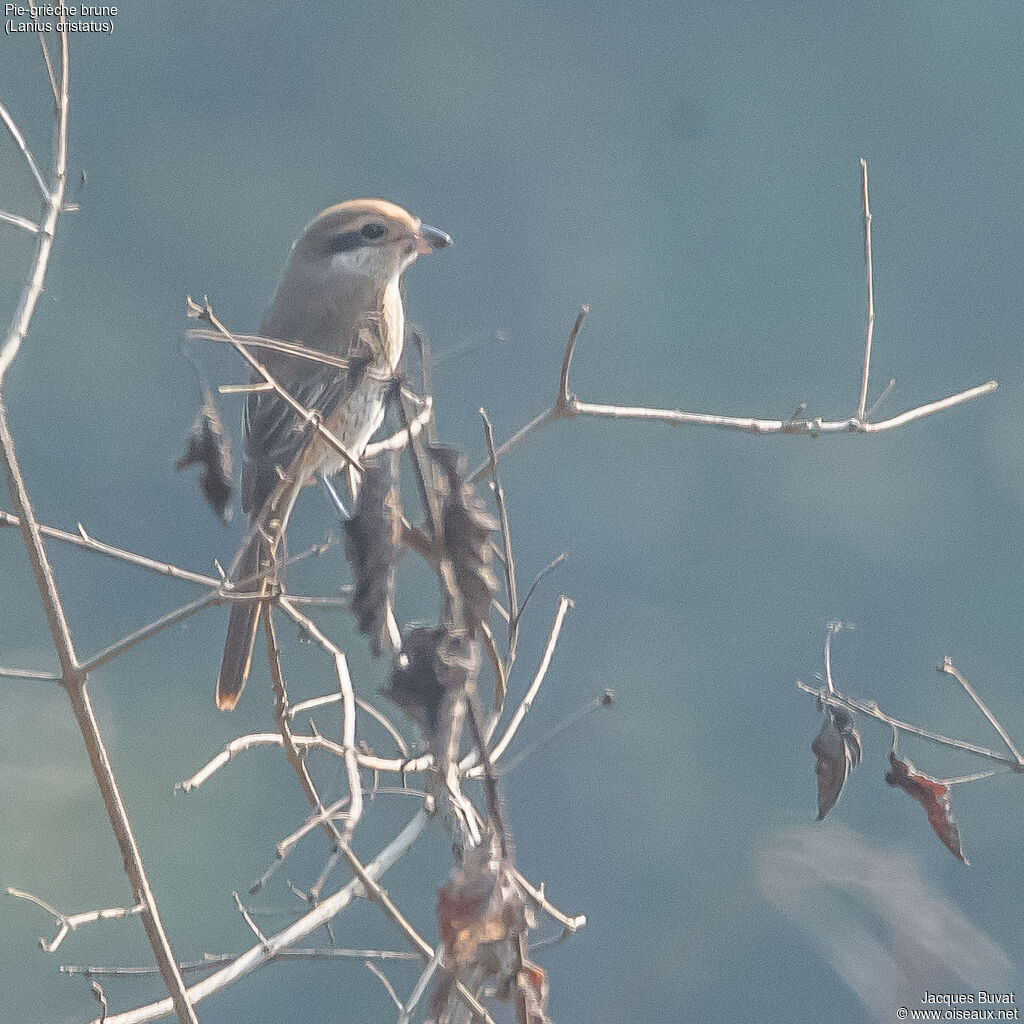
<point>340,296</point>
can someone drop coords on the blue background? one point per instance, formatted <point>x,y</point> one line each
<point>691,172</point>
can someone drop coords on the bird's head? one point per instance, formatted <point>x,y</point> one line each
<point>370,237</point>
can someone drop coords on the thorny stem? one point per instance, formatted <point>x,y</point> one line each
<point>73,676</point>
<point>567,406</point>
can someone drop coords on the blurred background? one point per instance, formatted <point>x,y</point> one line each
<point>692,173</point>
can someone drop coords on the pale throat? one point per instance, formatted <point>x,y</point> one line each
<point>394,313</point>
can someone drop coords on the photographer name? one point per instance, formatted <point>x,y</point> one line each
<point>981,998</point>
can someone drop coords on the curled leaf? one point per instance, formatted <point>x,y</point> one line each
<point>838,751</point>
<point>208,447</point>
<point>431,666</point>
<point>466,528</point>
<point>371,550</point>
<point>483,922</point>
<point>933,796</point>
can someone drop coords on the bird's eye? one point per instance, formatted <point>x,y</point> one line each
<point>372,231</point>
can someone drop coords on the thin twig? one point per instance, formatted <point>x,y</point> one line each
<point>389,988</point>
<point>19,140</point>
<point>145,632</point>
<point>29,673</point>
<point>69,922</point>
<point>422,983</point>
<point>872,710</point>
<point>49,65</point>
<point>212,960</point>
<point>603,700</point>
<point>876,405</point>
<point>862,404</point>
<point>564,604</point>
<point>253,926</point>
<point>553,564</point>
<point>264,952</point>
<point>120,554</point>
<point>809,428</point>
<point>831,630</point>
<point>364,705</point>
<point>567,406</point>
<point>311,417</point>
<point>950,669</point>
<point>348,738</point>
<point>73,678</point>
<point>399,440</point>
<point>18,221</point>
<point>506,537</point>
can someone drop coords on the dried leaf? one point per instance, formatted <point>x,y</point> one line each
<point>483,921</point>
<point>531,1007</point>
<point>431,665</point>
<point>837,748</point>
<point>371,550</point>
<point>933,796</point>
<point>209,447</point>
<point>466,528</point>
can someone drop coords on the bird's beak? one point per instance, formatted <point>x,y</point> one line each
<point>429,239</point>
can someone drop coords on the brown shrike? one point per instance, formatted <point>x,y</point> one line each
<point>340,295</point>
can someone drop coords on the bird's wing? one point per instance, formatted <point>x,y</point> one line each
<point>275,433</point>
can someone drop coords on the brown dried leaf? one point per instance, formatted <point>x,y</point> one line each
<point>371,550</point>
<point>209,447</point>
<point>933,796</point>
<point>466,528</point>
<point>483,918</point>
<point>838,750</point>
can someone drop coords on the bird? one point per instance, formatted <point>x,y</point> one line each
<point>341,296</point>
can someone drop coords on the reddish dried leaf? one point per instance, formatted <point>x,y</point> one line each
<point>933,796</point>
<point>837,748</point>
<point>483,922</point>
<point>470,907</point>
<point>532,1004</point>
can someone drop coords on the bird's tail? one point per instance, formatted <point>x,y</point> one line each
<point>242,625</point>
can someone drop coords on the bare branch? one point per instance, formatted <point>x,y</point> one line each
<point>29,673</point>
<point>950,669</point>
<point>862,404</point>
<point>872,710</point>
<point>506,537</point>
<point>564,604</point>
<point>19,140</point>
<point>69,922</point>
<point>399,440</point>
<point>119,554</point>
<point>145,632</point>
<point>804,427</point>
<point>18,221</point>
<point>422,982</point>
<point>348,738</point>
<point>388,987</point>
<point>264,952</point>
<point>73,678</point>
